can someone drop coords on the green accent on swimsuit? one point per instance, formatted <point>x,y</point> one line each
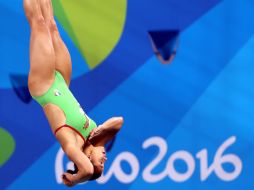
<point>60,95</point>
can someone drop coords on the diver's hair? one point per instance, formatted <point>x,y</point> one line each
<point>73,171</point>
<point>96,174</point>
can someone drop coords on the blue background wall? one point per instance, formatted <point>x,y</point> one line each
<point>188,124</point>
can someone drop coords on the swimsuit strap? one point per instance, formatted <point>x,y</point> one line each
<point>72,128</point>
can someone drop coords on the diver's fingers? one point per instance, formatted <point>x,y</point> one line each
<point>66,180</point>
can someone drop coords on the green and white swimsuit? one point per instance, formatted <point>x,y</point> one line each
<point>60,95</point>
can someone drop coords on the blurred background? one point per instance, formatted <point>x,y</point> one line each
<point>180,72</point>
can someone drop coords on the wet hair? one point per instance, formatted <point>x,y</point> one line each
<point>73,171</point>
<point>96,174</point>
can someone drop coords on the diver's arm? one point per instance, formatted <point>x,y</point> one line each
<point>73,149</point>
<point>84,165</point>
<point>105,132</point>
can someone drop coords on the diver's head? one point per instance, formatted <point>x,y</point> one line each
<point>98,158</point>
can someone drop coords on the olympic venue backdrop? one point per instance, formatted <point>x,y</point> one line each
<point>189,117</point>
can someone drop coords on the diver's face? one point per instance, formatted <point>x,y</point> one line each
<point>98,157</point>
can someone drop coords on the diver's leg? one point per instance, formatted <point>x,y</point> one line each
<point>42,57</point>
<point>63,59</point>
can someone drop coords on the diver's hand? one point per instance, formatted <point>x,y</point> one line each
<point>105,132</point>
<point>67,180</point>
<point>72,179</point>
<point>99,131</point>
<point>83,166</point>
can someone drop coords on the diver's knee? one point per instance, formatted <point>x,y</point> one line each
<point>52,25</point>
<point>38,23</point>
